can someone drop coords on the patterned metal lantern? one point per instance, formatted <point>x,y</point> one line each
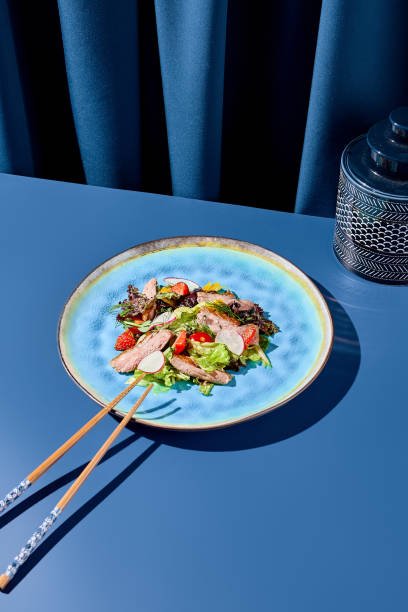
<point>371,235</point>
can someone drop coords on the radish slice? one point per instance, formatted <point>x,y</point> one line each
<point>163,319</point>
<point>190,284</point>
<point>232,340</point>
<point>152,363</point>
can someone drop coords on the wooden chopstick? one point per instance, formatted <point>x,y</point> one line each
<point>56,455</point>
<point>47,523</point>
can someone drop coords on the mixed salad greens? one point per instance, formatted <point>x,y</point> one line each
<point>180,332</point>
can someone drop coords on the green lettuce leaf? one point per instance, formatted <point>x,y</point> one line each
<point>163,380</point>
<point>263,341</point>
<point>204,387</point>
<point>209,356</point>
<point>255,353</point>
<point>250,354</point>
<point>169,295</point>
<point>186,318</point>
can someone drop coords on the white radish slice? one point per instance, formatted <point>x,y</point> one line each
<point>152,363</point>
<point>170,280</point>
<point>232,340</point>
<point>163,319</point>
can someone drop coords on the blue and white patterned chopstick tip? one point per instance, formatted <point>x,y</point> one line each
<point>32,543</point>
<point>14,493</point>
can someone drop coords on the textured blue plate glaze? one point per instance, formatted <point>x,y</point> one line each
<point>87,330</point>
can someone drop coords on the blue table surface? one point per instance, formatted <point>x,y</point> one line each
<point>303,509</point>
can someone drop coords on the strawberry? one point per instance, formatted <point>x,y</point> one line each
<point>180,288</point>
<point>180,343</point>
<point>248,335</point>
<point>125,341</point>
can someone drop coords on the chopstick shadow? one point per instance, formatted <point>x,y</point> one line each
<point>53,486</point>
<point>302,412</point>
<point>71,522</point>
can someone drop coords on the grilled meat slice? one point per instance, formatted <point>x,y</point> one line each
<point>215,320</point>
<point>149,313</point>
<point>208,296</point>
<point>130,359</point>
<point>243,330</point>
<point>187,366</point>
<point>150,288</point>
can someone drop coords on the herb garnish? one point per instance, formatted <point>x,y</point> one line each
<point>142,327</point>
<point>222,307</point>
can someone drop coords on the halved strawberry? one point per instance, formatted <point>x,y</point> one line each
<point>180,343</point>
<point>180,288</point>
<point>247,334</point>
<point>125,341</point>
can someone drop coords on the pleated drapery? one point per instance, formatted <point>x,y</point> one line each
<point>240,102</point>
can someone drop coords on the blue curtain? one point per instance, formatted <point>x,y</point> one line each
<point>241,102</point>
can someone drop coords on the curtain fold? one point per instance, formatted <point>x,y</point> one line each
<point>15,145</point>
<point>100,39</point>
<point>212,99</point>
<point>192,50</point>
<point>359,77</point>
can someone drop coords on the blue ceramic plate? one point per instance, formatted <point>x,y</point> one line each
<point>87,330</point>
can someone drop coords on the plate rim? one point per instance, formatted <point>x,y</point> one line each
<point>219,424</point>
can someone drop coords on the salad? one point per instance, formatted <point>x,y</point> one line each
<point>180,331</point>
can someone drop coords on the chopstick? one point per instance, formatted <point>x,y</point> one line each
<point>47,523</point>
<point>56,455</point>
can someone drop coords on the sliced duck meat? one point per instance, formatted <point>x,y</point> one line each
<point>208,296</point>
<point>130,359</point>
<point>148,314</point>
<point>246,332</point>
<point>187,366</point>
<point>150,288</point>
<point>215,320</point>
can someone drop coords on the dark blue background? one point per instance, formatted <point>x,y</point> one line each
<point>206,99</point>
